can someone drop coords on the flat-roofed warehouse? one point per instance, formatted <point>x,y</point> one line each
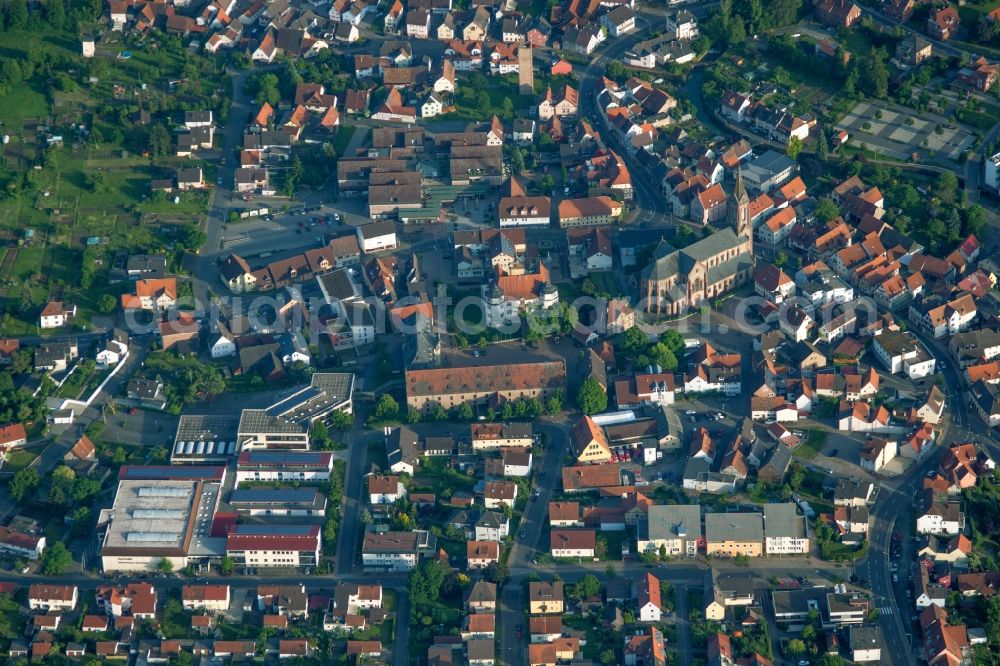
<point>160,518</point>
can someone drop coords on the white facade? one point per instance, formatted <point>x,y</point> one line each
<point>786,545</point>
<point>275,558</point>
<point>933,523</point>
<point>526,220</point>
<point>913,361</point>
<point>38,600</point>
<point>218,605</point>
<point>387,497</point>
<point>390,561</point>
<point>52,321</point>
<point>517,470</point>
<point>649,612</point>
<point>223,347</point>
<point>871,654</point>
<point>31,553</point>
<point>243,475</point>
<point>111,354</point>
<point>572,552</point>
<point>696,384</point>
<point>377,241</point>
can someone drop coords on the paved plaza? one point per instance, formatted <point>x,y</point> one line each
<point>892,136</point>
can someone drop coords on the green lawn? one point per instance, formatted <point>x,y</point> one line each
<point>605,283</point>
<point>25,100</point>
<point>18,460</point>
<point>435,476</point>
<point>344,135</point>
<point>810,448</point>
<point>56,200</point>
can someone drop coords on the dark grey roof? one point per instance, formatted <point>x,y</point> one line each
<point>206,428</point>
<point>734,527</point>
<point>782,520</point>
<point>863,638</point>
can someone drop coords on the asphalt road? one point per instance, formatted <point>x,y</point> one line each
<point>205,270</point>
<point>892,513</point>
<point>353,502</point>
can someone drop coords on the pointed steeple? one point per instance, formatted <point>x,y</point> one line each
<point>740,192</point>
<point>738,210</point>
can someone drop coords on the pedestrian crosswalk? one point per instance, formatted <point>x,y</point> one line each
<point>884,610</point>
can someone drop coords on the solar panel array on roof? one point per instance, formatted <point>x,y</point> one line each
<point>286,530</point>
<point>178,473</point>
<point>280,457</point>
<point>267,495</point>
<point>293,401</point>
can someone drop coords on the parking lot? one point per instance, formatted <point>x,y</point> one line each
<point>277,232</point>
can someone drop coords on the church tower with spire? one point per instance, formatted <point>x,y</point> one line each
<point>738,211</point>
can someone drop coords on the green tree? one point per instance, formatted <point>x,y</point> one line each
<point>974,220</point>
<point>63,477</point>
<point>634,341</point>
<point>736,33</point>
<point>873,73</point>
<point>56,559</point>
<point>425,586</point>
<point>165,566</point>
<point>495,572</point>
<point>673,340</point>
<point>81,518</point>
<point>158,140</point>
<point>661,355</point>
<point>829,660</point>
<point>483,102</point>
<point>822,146</point>
<point>16,15</point>
<point>464,412</point>
<point>591,398</point>
<point>600,546</point>
<point>23,483</point>
<point>608,657</point>
<point>796,647</point>
<point>107,304</point>
<point>516,161</point>
<point>386,407</point>
<point>554,404</point>
<point>946,187</point>
<point>340,420</point>
<point>588,586</point>
<point>794,147</point>
<point>826,210</point>
<point>320,435</point>
<point>21,362</point>
<point>294,176</point>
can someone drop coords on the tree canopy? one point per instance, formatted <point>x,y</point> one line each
<point>591,397</point>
